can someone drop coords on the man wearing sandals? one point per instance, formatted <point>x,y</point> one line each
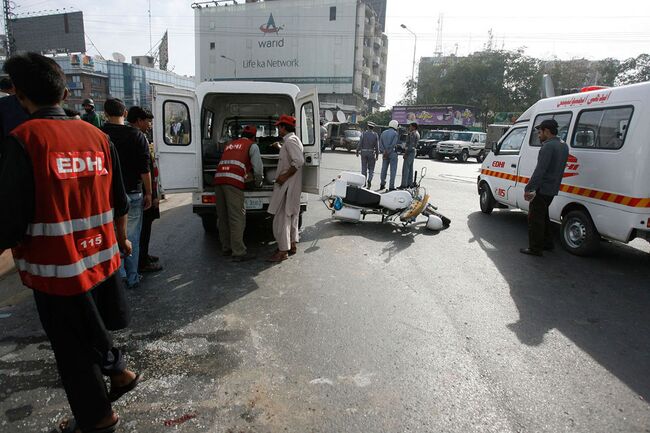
<point>285,202</point>
<point>64,214</point>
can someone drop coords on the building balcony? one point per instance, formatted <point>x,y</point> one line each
<point>378,42</point>
<point>367,52</point>
<point>366,71</point>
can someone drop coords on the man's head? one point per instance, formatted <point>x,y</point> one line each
<point>140,118</point>
<point>6,85</point>
<point>370,126</point>
<point>546,130</point>
<point>286,124</point>
<point>249,131</point>
<point>114,107</point>
<point>413,126</point>
<point>88,105</point>
<point>38,80</point>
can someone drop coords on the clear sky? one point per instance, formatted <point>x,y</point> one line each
<point>564,29</point>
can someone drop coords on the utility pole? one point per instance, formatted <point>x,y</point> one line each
<point>7,10</point>
<point>150,39</point>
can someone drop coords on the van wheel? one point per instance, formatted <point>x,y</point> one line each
<point>578,234</point>
<point>209,223</point>
<point>480,157</point>
<point>464,156</point>
<point>486,199</point>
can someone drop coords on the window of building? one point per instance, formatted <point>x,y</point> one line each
<point>212,45</point>
<point>333,13</point>
<point>602,128</point>
<point>76,79</point>
<point>563,121</point>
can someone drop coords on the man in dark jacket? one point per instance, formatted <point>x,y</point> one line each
<point>543,186</point>
<point>12,113</point>
<point>90,115</point>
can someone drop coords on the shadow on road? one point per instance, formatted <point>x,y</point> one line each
<point>174,331</point>
<point>601,303</point>
<point>394,238</point>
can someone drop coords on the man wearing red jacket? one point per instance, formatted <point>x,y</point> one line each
<point>239,158</point>
<point>63,213</point>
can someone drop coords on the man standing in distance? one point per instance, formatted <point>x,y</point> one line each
<point>285,202</point>
<point>90,114</point>
<point>62,195</point>
<point>369,150</point>
<point>409,155</point>
<point>133,149</point>
<point>141,119</point>
<point>388,149</point>
<point>543,186</point>
<point>239,158</point>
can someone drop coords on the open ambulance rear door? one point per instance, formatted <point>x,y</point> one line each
<point>308,130</point>
<point>177,134</point>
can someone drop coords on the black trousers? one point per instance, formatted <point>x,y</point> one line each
<point>77,327</point>
<point>539,223</point>
<point>148,217</point>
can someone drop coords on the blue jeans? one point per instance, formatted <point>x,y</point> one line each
<point>385,162</point>
<point>407,169</point>
<point>129,265</point>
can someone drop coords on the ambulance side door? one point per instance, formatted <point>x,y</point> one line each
<point>177,135</point>
<point>503,169</point>
<point>308,130</point>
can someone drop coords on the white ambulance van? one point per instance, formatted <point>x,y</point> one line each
<point>191,129</point>
<point>606,187</point>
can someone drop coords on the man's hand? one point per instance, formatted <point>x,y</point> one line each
<point>147,201</point>
<point>125,247</point>
<point>155,202</point>
<point>528,196</point>
<point>281,179</point>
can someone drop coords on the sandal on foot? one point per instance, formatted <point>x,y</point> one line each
<point>279,256</point>
<point>72,427</point>
<point>118,391</point>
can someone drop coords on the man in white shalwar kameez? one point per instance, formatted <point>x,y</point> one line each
<point>285,202</point>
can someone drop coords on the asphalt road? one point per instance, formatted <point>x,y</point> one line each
<point>369,328</point>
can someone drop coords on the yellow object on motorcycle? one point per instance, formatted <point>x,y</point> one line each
<point>415,209</point>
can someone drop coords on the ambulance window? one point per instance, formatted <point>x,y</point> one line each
<point>602,128</point>
<point>307,124</point>
<point>563,121</point>
<point>512,142</point>
<point>176,121</point>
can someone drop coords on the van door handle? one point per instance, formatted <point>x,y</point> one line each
<point>513,165</point>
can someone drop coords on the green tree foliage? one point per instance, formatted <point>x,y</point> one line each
<point>634,70</point>
<point>380,117</point>
<point>491,80</point>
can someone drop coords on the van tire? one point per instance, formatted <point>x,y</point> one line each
<point>464,156</point>
<point>209,223</point>
<point>578,234</point>
<point>486,199</point>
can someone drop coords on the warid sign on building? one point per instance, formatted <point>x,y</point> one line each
<point>302,42</point>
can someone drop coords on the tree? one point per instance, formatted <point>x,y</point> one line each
<point>634,70</point>
<point>379,117</point>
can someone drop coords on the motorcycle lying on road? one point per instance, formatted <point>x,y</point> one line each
<point>349,200</point>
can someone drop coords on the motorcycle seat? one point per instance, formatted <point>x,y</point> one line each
<point>362,197</point>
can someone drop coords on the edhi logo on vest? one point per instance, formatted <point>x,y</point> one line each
<point>270,28</point>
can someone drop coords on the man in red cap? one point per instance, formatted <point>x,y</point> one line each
<point>239,158</point>
<point>285,202</point>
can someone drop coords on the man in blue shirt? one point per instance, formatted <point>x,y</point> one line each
<point>388,149</point>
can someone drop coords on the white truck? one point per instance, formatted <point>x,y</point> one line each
<point>463,145</point>
<point>191,129</point>
<point>606,187</point>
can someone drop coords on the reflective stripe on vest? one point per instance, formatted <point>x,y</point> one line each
<point>67,227</point>
<point>229,176</point>
<point>67,271</point>
<point>233,162</point>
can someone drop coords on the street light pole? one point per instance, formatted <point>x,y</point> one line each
<point>415,44</point>
<point>234,62</point>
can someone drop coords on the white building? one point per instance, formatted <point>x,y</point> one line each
<point>337,46</point>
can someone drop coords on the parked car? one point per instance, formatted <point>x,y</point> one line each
<point>463,145</point>
<point>346,135</point>
<point>428,144</point>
